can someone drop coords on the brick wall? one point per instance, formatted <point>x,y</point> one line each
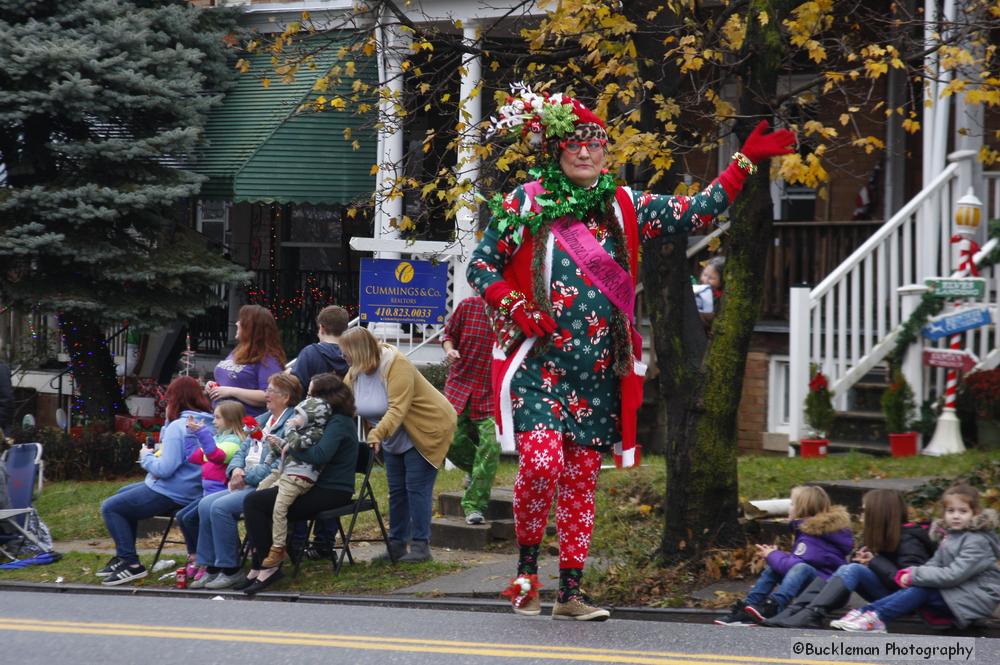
<point>751,422</point>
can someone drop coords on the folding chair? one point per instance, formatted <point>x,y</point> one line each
<point>166,532</point>
<point>24,465</point>
<point>363,502</point>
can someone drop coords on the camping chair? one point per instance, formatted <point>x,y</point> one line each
<point>166,533</point>
<point>24,464</point>
<point>364,501</point>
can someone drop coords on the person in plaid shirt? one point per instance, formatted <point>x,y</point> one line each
<point>468,344</point>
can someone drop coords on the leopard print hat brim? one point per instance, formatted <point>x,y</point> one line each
<point>583,132</point>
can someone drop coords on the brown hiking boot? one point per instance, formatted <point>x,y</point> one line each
<point>578,608</point>
<point>274,557</point>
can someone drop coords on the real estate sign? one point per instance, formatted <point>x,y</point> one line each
<point>959,322</point>
<point>964,287</point>
<point>403,291</point>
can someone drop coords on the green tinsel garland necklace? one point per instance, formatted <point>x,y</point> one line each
<point>562,197</point>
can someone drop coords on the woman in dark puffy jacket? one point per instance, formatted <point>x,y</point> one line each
<point>890,543</point>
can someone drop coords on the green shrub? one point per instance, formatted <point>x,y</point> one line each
<point>898,404</point>
<point>94,456</point>
<point>436,374</point>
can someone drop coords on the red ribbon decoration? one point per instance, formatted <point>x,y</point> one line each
<point>965,255</point>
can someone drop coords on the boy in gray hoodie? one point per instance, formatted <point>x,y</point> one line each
<point>293,478</point>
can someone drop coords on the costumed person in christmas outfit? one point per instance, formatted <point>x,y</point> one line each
<point>557,267</point>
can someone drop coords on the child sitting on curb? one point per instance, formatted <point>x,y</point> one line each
<point>960,581</point>
<point>823,539</point>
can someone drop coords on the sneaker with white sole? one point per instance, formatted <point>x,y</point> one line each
<point>223,581</point>
<point>850,617</point>
<point>475,517</point>
<point>865,622</point>
<point>737,616</point>
<point>578,608</point>
<point>112,565</point>
<point>760,612</point>
<point>200,581</point>
<point>125,574</point>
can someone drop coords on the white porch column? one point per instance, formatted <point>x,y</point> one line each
<point>928,223</point>
<point>389,203</point>
<point>913,364</point>
<point>798,361</point>
<point>470,113</point>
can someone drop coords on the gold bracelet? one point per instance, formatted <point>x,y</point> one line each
<point>744,163</point>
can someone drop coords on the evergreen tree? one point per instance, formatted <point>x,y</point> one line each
<point>102,103</point>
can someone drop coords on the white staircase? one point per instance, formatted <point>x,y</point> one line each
<point>848,323</point>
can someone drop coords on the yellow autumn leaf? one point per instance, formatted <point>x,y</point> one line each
<point>350,68</point>
<point>266,82</point>
<point>338,103</point>
<point>762,18</point>
<point>306,15</point>
<point>373,170</point>
<point>734,32</point>
<point>815,127</point>
<point>844,119</point>
<point>714,243</point>
<point>243,65</point>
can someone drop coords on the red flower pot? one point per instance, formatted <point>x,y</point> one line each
<point>903,444</point>
<point>813,447</point>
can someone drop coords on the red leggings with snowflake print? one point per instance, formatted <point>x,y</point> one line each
<point>549,461</point>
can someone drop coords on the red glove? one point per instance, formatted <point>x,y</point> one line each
<point>760,146</point>
<point>531,321</point>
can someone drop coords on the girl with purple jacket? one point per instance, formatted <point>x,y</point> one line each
<point>823,539</point>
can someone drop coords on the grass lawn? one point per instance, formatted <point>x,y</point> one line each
<point>627,531</point>
<point>314,577</point>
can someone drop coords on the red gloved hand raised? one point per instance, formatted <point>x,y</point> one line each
<point>760,146</point>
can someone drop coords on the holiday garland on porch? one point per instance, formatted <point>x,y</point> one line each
<point>930,306</point>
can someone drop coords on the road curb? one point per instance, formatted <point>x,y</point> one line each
<point>465,604</point>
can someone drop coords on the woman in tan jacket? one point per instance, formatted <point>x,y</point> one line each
<point>412,423</point>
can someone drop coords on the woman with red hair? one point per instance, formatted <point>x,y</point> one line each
<point>171,482</point>
<point>258,355</point>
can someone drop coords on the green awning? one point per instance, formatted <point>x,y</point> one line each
<point>261,148</point>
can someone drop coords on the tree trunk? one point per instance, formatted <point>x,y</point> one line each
<point>100,397</point>
<point>702,389</point>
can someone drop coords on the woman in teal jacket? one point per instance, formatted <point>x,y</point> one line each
<point>218,514</point>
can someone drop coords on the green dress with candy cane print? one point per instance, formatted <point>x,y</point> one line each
<point>570,386</point>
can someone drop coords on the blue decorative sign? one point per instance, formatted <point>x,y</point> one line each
<point>967,319</point>
<point>403,291</point>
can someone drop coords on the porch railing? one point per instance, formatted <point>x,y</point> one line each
<point>805,253</point>
<point>848,323</point>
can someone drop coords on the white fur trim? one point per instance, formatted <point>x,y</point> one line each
<point>507,436</point>
<point>628,458</point>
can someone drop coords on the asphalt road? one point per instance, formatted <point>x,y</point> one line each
<point>109,629</point>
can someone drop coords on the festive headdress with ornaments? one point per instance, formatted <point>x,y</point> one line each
<point>543,119</point>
